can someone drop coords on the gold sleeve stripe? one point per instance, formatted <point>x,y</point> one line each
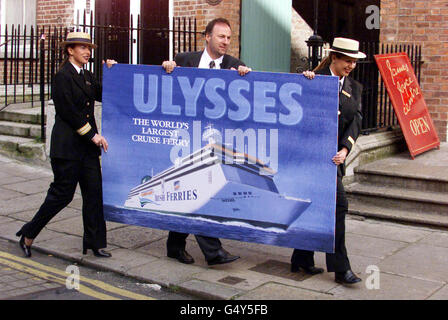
<point>351,140</point>
<point>84,129</point>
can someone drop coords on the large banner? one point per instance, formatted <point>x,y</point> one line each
<point>214,153</point>
<point>407,99</point>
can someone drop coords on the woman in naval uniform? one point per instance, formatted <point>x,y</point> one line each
<point>341,61</point>
<point>75,148</point>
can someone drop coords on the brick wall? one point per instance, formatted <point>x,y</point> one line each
<point>55,13</point>
<point>300,32</point>
<point>204,12</point>
<point>426,23</point>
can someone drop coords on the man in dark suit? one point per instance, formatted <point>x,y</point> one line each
<point>217,36</point>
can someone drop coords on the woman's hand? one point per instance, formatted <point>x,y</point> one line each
<point>110,63</point>
<point>100,141</point>
<point>339,158</point>
<point>309,74</point>
<point>242,70</point>
<point>169,65</point>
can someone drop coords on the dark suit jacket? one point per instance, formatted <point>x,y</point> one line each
<point>192,59</point>
<point>350,117</point>
<point>74,96</point>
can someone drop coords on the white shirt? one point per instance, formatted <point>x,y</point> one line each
<point>204,63</point>
<point>341,80</point>
<point>78,69</point>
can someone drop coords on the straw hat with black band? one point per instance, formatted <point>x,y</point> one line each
<point>82,38</point>
<point>348,47</point>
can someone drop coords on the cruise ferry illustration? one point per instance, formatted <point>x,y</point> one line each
<point>221,184</point>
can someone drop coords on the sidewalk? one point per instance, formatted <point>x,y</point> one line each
<point>412,260</point>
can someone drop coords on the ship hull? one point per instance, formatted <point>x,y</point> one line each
<point>223,193</point>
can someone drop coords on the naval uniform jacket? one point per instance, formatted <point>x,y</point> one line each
<point>192,59</point>
<point>350,116</point>
<point>74,96</point>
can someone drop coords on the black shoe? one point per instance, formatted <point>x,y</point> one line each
<point>222,257</point>
<point>26,249</point>
<point>182,256</point>
<point>347,277</point>
<point>96,252</point>
<point>308,270</point>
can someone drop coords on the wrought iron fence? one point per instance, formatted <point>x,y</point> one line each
<point>30,56</point>
<point>19,63</point>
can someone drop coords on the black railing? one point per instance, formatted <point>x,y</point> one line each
<point>19,62</point>
<point>377,108</point>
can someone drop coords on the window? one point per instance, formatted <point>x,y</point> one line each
<point>21,12</point>
<point>15,13</point>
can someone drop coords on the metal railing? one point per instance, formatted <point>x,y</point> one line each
<point>30,56</point>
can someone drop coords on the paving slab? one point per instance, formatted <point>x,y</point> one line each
<point>391,287</point>
<point>158,248</point>
<point>419,260</point>
<point>45,235</point>
<point>359,264</point>
<point>121,261</point>
<point>76,202</point>
<point>371,246</point>
<point>8,179</point>
<point>439,239</point>
<point>243,280</point>
<point>30,186</point>
<point>385,231</point>
<point>5,219</point>
<point>165,272</point>
<point>209,290</point>
<point>8,230</point>
<point>134,236</point>
<point>64,214</point>
<point>65,246</point>
<point>283,292</point>
<point>72,226</point>
<point>25,203</point>
<point>441,294</point>
<point>25,171</point>
<point>257,247</point>
<point>6,194</point>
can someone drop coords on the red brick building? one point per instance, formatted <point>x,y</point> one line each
<point>425,23</point>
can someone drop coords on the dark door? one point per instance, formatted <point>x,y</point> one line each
<point>339,18</point>
<point>112,34</point>
<point>154,47</point>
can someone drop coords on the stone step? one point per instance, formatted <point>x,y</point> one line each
<point>26,130</point>
<point>27,115</point>
<point>22,148</point>
<point>398,198</point>
<point>356,207</point>
<point>411,181</point>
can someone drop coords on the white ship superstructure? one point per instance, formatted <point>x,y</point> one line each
<point>221,184</point>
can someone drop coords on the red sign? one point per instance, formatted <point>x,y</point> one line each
<point>407,100</point>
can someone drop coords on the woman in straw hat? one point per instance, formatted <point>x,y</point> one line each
<point>75,148</point>
<point>341,61</point>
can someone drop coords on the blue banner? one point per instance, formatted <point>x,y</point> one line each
<point>214,153</point>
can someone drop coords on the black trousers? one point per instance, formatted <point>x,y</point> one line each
<point>337,261</point>
<point>209,246</point>
<point>67,174</point>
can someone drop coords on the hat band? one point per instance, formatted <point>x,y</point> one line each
<point>346,50</point>
<point>79,40</point>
